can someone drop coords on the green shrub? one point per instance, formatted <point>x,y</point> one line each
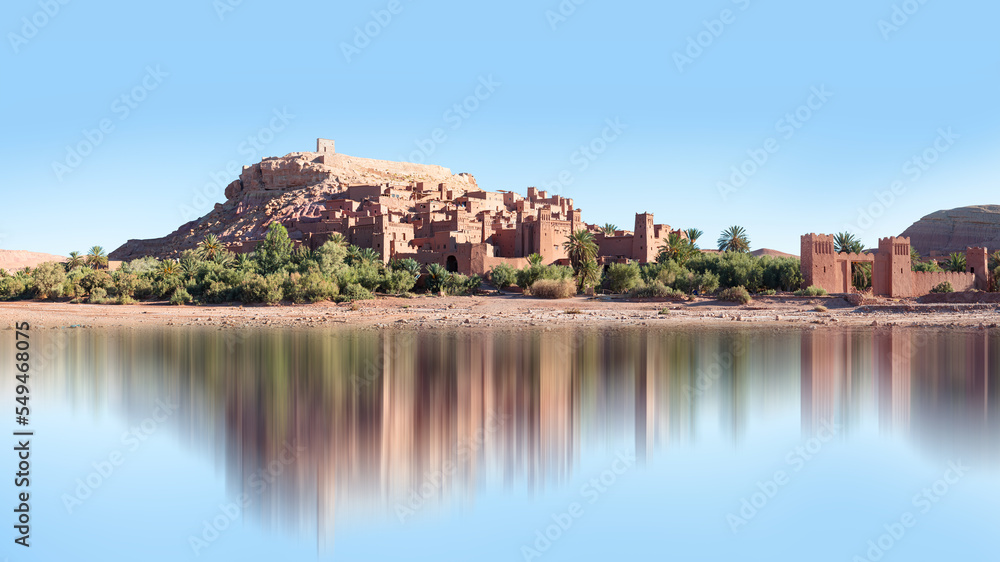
<point>457,284</point>
<point>735,294</point>
<point>218,292</point>
<point>780,274</point>
<point>180,296</point>
<point>553,289</point>
<point>166,286</point>
<point>275,251</point>
<point>355,292</point>
<point>527,276</point>
<point>143,265</point>
<point>71,289</point>
<point>48,278</point>
<point>125,283</point>
<point>654,290</point>
<point>398,282</point>
<point>96,279</point>
<point>16,287</point>
<point>330,256</point>
<point>257,288</point>
<point>944,287</point>
<point>811,291</point>
<point>768,292</point>
<point>98,296</point>
<point>503,275</point>
<point>369,274</point>
<point>620,278</point>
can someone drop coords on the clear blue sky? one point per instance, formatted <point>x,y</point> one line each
<point>217,77</point>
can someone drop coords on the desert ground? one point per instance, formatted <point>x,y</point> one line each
<point>508,311</point>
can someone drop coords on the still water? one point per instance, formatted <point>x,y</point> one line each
<point>798,445</point>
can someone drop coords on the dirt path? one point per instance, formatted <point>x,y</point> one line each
<point>505,311</point>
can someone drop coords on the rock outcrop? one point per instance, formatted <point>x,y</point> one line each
<point>284,188</point>
<point>954,230</point>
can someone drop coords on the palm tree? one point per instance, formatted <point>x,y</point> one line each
<point>408,265</point>
<point>245,262</point>
<point>169,267</point>
<point>225,258</point>
<point>956,263</point>
<point>995,260</point>
<point>734,239</point>
<point>580,247</point>
<point>588,275</point>
<point>676,248</point>
<point>353,255</point>
<point>845,242</point>
<point>609,229</point>
<point>535,259</point>
<point>189,261</point>
<point>96,258</point>
<point>210,247</point>
<point>75,260</point>
<point>369,255</point>
<point>693,235</point>
<point>436,274</point>
<point>338,239</point>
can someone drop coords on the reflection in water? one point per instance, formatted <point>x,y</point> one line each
<point>388,423</point>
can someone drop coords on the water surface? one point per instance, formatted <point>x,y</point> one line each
<point>476,445</point>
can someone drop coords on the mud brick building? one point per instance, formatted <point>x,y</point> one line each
<point>892,275</point>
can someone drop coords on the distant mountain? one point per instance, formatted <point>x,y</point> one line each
<point>14,260</point>
<point>954,230</point>
<point>772,253</point>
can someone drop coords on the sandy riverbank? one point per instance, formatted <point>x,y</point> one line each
<point>506,311</point>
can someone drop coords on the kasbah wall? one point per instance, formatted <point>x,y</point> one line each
<point>892,275</point>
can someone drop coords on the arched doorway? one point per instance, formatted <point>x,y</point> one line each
<point>451,264</point>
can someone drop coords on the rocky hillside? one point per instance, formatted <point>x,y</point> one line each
<point>282,188</point>
<point>955,230</point>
